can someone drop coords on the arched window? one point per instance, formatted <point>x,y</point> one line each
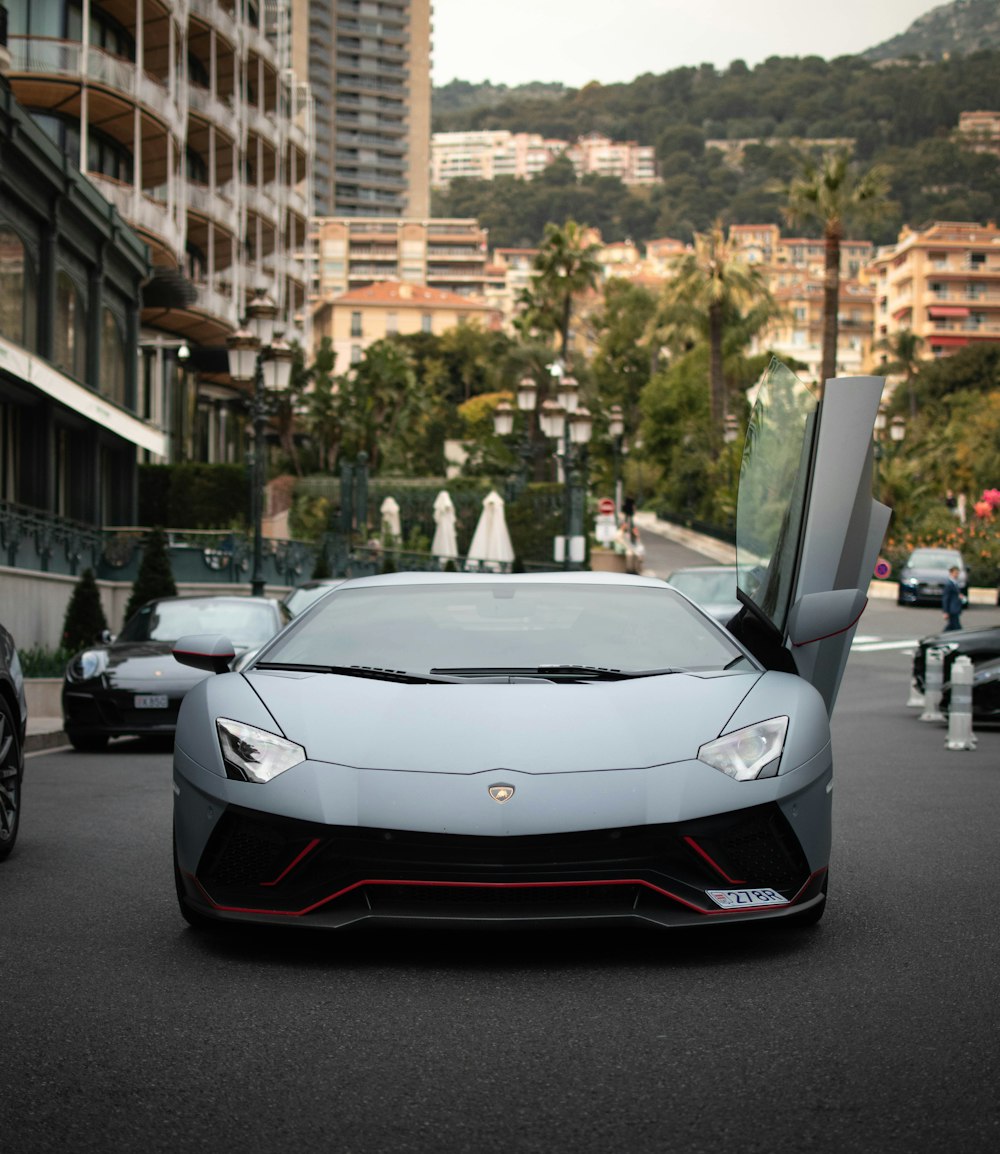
<point>112,378</point>
<point>18,304</point>
<point>70,352</point>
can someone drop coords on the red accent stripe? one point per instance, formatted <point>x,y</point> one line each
<point>293,863</point>
<point>491,886</point>
<point>714,864</point>
<point>835,633</point>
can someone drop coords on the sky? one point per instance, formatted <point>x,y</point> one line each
<point>573,42</point>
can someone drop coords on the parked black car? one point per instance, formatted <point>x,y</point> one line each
<point>13,726</point>
<point>133,686</point>
<point>985,693</point>
<point>922,578</point>
<point>980,644</point>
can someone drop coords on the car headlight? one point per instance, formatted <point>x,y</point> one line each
<point>748,753</point>
<point>910,581</point>
<point>87,665</point>
<point>254,754</point>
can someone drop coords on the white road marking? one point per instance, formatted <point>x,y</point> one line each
<point>874,645</point>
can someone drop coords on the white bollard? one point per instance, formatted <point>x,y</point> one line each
<point>960,735</point>
<point>916,698</point>
<point>933,680</point>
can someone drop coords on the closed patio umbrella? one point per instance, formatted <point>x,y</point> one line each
<point>445,544</point>
<point>391,526</point>
<point>491,546</point>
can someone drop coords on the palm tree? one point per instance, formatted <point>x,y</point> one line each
<point>903,358</point>
<point>565,267</point>
<point>713,289</point>
<point>831,193</point>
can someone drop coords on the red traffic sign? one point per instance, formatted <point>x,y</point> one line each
<point>605,506</point>
<point>882,568</point>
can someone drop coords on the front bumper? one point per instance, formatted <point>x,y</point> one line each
<point>238,863</point>
<point>113,712</point>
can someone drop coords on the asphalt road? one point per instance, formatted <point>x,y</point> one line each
<point>123,1030</point>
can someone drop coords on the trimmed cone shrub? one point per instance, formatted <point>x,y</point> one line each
<point>84,621</point>
<point>155,578</point>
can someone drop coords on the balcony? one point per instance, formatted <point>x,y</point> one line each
<point>143,212</point>
<point>113,74</point>
<point>212,13</point>
<point>202,103</point>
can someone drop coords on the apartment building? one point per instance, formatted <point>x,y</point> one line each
<point>368,66</point>
<point>487,155</point>
<point>444,254</point>
<point>361,316</point>
<point>980,131</point>
<point>942,283</point>
<point>190,123</point>
<point>793,269</point>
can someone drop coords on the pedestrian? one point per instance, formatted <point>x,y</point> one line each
<point>951,601</point>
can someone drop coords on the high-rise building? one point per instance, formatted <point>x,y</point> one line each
<point>368,63</point>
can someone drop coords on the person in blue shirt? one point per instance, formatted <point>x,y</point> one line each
<point>951,601</point>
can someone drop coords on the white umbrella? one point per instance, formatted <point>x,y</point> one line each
<point>491,546</point>
<point>390,519</point>
<point>445,543</point>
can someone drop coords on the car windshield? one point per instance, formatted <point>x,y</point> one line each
<point>247,624</point>
<point>305,595</point>
<point>706,585</point>
<point>934,560</point>
<point>472,623</point>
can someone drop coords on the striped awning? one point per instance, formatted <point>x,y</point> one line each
<point>947,311</point>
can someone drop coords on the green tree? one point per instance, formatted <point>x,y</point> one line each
<point>565,268</point>
<point>714,288</point>
<point>155,577</point>
<point>830,192</point>
<point>85,620</point>
<point>322,419</point>
<point>902,349</point>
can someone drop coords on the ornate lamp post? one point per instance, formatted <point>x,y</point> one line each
<point>616,431</point>
<point>570,426</point>
<point>503,426</point>
<point>258,354</point>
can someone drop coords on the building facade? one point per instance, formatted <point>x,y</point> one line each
<point>356,319</point>
<point>942,283</point>
<point>445,254</point>
<point>368,66</point>
<point>72,403</point>
<point>489,154</point>
<point>188,119</point>
<point>793,269</point>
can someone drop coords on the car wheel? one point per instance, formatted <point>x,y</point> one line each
<point>10,781</point>
<point>193,918</point>
<point>88,743</point>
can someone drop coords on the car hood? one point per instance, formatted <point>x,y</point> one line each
<point>963,637</point>
<point>536,727</point>
<point>148,661</point>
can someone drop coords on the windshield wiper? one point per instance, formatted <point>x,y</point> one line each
<point>577,672</point>
<point>371,671</point>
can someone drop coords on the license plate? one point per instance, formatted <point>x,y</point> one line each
<point>151,701</point>
<point>746,899</point>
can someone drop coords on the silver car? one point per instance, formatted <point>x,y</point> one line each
<point>559,747</point>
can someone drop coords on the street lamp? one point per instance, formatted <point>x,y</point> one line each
<point>258,354</point>
<point>569,425</point>
<point>503,426</point>
<point>897,432</point>
<point>616,431</point>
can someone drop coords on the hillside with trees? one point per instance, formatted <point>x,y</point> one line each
<point>902,117</point>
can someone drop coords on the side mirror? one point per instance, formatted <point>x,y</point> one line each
<point>208,651</point>
<point>820,615</point>
<point>106,637</point>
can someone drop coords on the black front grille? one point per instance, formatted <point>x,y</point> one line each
<point>257,861</point>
